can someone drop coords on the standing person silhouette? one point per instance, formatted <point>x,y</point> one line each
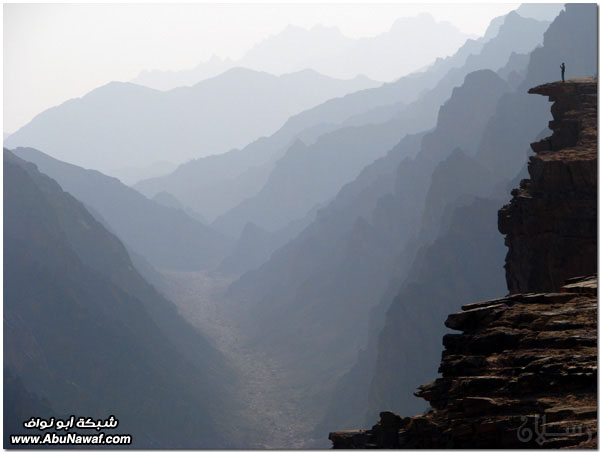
<point>562,71</point>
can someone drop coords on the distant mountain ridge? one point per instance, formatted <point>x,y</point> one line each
<point>312,167</point>
<point>123,125</point>
<point>213,185</point>
<point>384,57</point>
<point>168,237</point>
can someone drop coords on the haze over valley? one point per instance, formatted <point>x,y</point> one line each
<point>262,248</point>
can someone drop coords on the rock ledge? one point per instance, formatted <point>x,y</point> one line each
<point>521,374</point>
<point>550,224</point>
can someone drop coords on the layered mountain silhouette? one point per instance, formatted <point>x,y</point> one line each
<point>216,184</point>
<point>85,334</point>
<point>130,175</point>
<point>256,245</point>
<point>320,256</point>
<point>371,257</point>
<point>326,50</point>
<point>167,237</point>
<point>166,80</point>
<point>120,125</point>
<point>540,11</point>
<point>309,175</point>
<point>332,275</point>
<point>309,167</point>
<point>503,149</point>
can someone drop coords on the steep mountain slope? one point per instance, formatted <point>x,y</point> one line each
<point>84,332</point>
<point>140,124</point>
<point>216,184</point>
<point>309,175</point>
<point>167,237</point>
<point>514,35</point>
<point>255,245</point>
<point>503,149</point>
<point>526,362</point>
<point>576,49</point>
<point>507,131</point>
<point>544,11</point>
<point>168,200</point>
<point>567,39</point>
<point>421,206</point>
<point>312,172</point>
<point>312,299</point>
<point>446,188</point>
<point>463,263</point>
<point>467,105</point>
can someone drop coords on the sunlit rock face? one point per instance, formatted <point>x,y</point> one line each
<point>522,374</point>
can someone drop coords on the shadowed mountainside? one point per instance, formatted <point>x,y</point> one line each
<point>289,303</point>
<point>524,118</point>
<point>503,149</point>
<point>167,237</point>
<point>527,360</point>
<point>354,252</point>
<point>87,334</point>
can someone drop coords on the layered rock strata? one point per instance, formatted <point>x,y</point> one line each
<point>523,371</point>
<point>521,374</point>
<point>550,224</point>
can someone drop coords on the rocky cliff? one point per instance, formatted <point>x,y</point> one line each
<point>550,224</point>
<point>523,371</point>
<point>522,374</point>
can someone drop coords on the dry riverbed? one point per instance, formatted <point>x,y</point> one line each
<point>268,417</point>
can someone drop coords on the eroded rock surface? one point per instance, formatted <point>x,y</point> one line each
<point>521,374</point>
<point>550,224</point>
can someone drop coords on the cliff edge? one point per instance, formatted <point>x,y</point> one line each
<point>550,224</point>
<point>523,371</point>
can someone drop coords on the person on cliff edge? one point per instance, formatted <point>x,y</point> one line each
<point>562,71</point>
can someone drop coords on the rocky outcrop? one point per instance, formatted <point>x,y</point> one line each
<point>521,374</point>
<point>523,371</point>
<point>550,224</point>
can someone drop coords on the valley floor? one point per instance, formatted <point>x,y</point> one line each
<point>268,416</point>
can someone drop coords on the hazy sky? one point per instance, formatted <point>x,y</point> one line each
<point>53,52</point>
